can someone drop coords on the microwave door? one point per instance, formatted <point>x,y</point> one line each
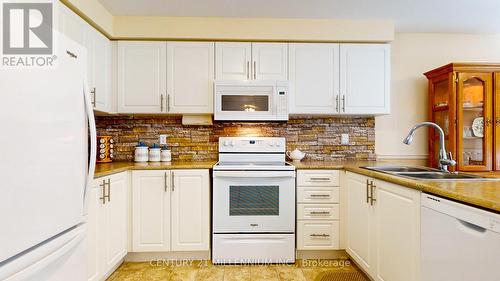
<point>241,105</point>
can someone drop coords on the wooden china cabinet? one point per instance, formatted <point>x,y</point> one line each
<point>464,99</point>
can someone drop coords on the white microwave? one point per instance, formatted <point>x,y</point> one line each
<point>251,100</point>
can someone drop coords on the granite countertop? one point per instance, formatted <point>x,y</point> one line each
<point>106,169</point>
<point>484,194</point>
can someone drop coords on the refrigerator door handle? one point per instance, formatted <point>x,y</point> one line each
<point>89,109</point>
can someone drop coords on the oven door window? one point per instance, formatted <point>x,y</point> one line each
<point>254,200</point>
<point>248,103</point>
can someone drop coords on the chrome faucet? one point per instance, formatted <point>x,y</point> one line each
<point>445,159</point>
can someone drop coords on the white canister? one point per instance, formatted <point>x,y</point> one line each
<point>166,155</point>
<point>154,154</point>
<point>141,154</point>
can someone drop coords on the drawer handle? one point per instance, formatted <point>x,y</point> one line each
<point>254,224</point>
<point>319,213</point>
<point>320,179</point>
<point>319,235</point>
<point>321,195</point>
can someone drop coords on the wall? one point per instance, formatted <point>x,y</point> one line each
<point>253,29</point>
<point>226,28</point>
<point>412,55</point>
<point>319,137</point>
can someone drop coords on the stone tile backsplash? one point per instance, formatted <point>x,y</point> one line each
<point>319,137</point>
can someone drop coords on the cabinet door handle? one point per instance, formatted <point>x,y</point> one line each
<point>172,181</point>
<point>487,121</point>
<point>367,191</point>
<point>320,195</point>
<point>254,70</point>
<point>372,199</point>
<point>109,190</point>
<point>168,102</point>
<point>103,186</point>
<point>497,121</point>
<point>319,213</point>
<point>165,181</point>
<point>337,103</point>
<point>161,102</point>
<point>93,92</point>
<point>320,179</point>
<point>248,70</point>
<point>319,235</point>
<point>343,103</point>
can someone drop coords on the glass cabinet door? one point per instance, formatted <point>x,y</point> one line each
<point>496,141</point>
<point>474,126</point>
<point>442,104</point>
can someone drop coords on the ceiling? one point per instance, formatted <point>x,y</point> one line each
<point>457,16</point>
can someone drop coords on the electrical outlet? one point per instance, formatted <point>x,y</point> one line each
<point>344,139</point>
<point>163,139</point>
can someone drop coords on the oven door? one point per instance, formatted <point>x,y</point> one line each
<point>254,201</point>
<point>245,102</point>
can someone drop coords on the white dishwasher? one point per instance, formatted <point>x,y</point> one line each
<point>459,242</point>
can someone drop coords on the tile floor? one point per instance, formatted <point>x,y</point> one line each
<point>302,270</point>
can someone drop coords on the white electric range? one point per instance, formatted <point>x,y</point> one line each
<point>253,202</point>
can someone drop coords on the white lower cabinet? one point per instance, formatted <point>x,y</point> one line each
<point>383,228</point>
<point>170,210</point>
<point>318,210</point>
<point>107,225</point>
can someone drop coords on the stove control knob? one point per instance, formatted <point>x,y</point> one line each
<point>271,143</point>
<point>233,143</point>
<point>278,144</point>
<point>226,143</point>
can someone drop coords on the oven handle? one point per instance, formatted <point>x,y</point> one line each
<point>254,174</point>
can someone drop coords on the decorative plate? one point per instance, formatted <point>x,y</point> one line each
<point>478,127</point>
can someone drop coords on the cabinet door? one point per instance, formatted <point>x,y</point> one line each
<point>365,78</point>
<point>190,210</point>
<point>232,61</point>
<point>101,72</point>
<point>314,78</point>
<point>397,232</point>
<point>150,211</point>
<point>359,222</point>
<point>94,225</point>
<point>115,222</point>
<point>474,121</point>
<point>269,61</point>
<point>142,78</point>
<point>190,76</point>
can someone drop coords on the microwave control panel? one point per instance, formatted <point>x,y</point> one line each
<point>282,101</point>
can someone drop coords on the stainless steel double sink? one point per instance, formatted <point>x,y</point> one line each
<point>424,173</point>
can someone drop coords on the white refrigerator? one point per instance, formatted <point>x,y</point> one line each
<point>46,164</point>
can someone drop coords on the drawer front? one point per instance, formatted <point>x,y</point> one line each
<point>318,212</point>
<point>317,235</point>
<point>318,178</point>
<point>318,195</point>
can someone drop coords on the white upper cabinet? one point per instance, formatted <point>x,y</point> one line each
<point>251,61</point>
<point>71,25</point>
<point>270,61</point>
<point>190,75</point>
<point>365,78</point>
<point>99,69</point>
<point>233,61</point>
<point>190,210</point>
<point>314,78</point>
<point>142,77</point>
